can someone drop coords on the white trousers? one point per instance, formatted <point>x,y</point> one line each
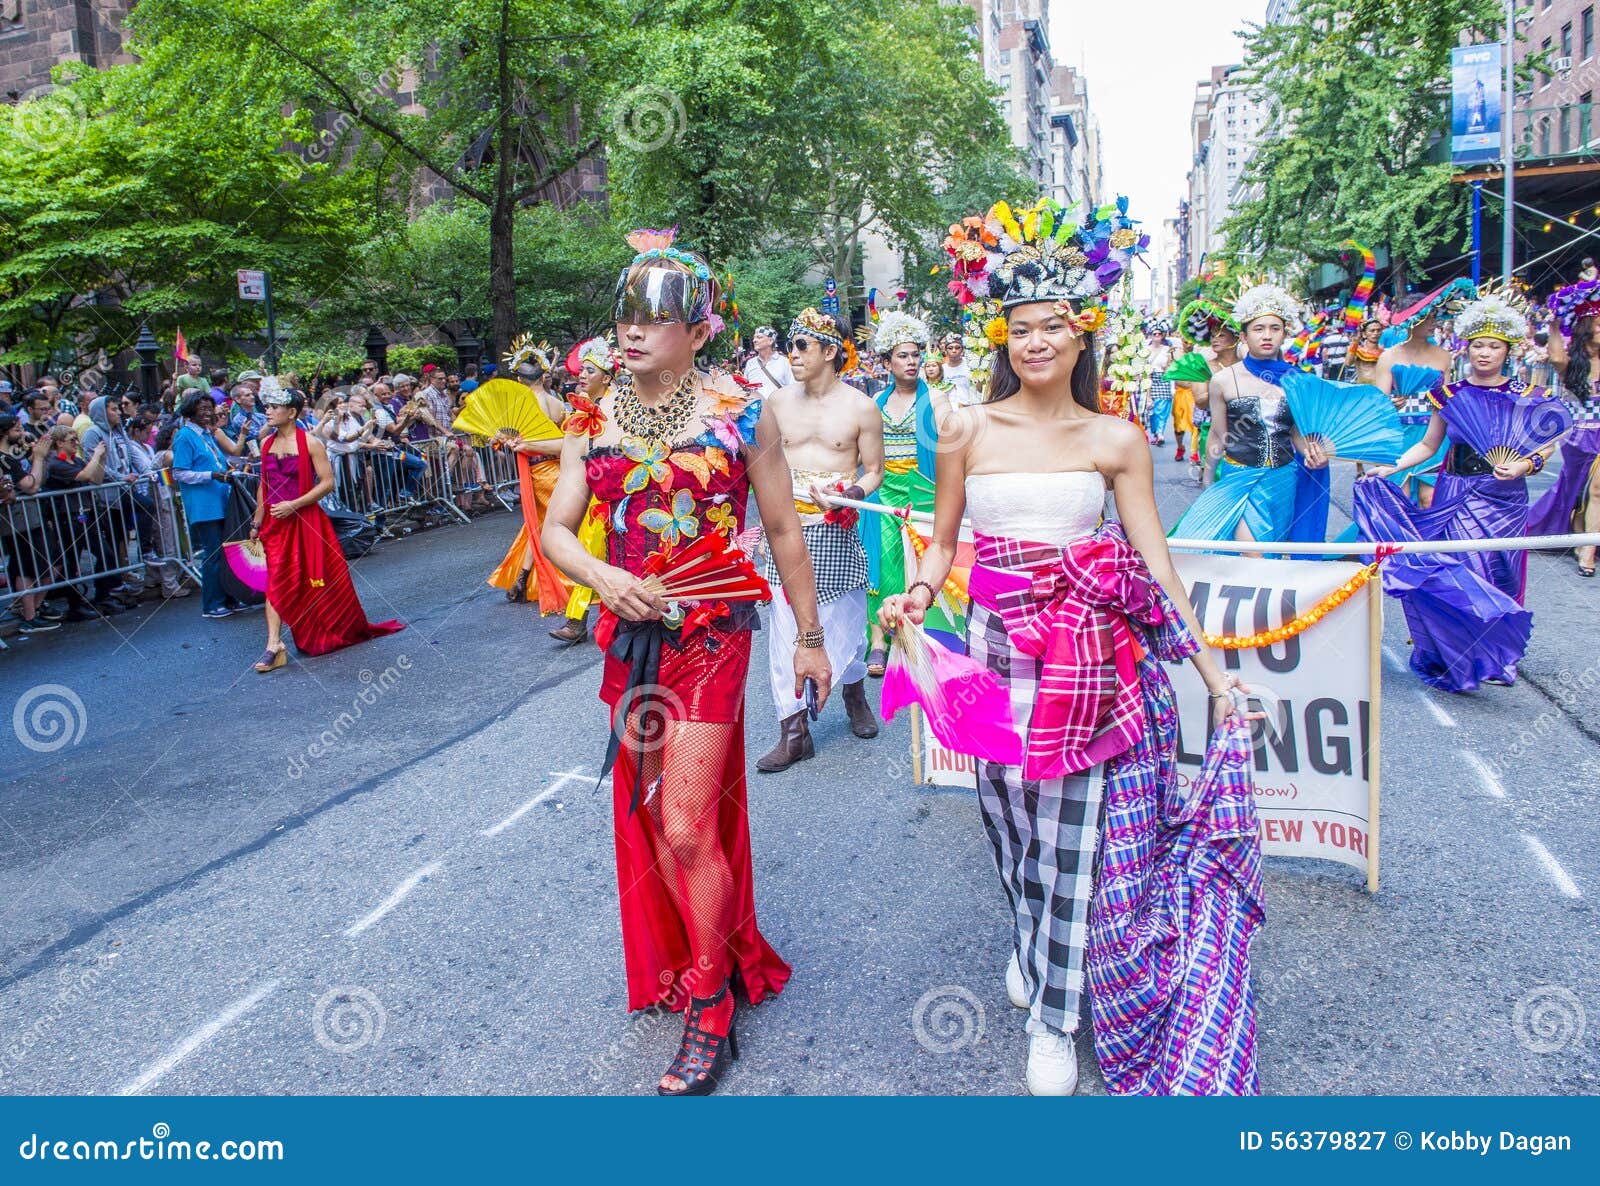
<point>844,627</point>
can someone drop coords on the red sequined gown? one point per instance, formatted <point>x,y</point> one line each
<point>683,854</point>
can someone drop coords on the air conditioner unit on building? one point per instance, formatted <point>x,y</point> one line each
<point>1561,65</point>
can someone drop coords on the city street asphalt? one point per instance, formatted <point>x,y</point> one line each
<point>389,870</point>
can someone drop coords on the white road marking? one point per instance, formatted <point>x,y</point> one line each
<point>1564,883</point>
<point>395,898</point>
<point>562,778</point>
<point>1440,713</point>
<point>1396,663</point>
<point>199,1038</point>
<point>1486,775</point>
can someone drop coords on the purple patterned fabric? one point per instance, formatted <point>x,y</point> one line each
<point>1178,900</point>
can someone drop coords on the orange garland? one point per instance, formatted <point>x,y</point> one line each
<point>1250,642</point>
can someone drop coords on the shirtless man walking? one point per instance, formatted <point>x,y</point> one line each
<point>833,439</point>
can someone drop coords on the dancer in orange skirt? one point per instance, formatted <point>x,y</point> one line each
<point>524,574</point>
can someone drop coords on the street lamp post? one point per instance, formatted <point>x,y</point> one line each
<point>377,348</point>
<point>146,347</point>
<point>1508,145</point>
<point>467,350</point>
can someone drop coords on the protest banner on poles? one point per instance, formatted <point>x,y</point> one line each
<point>1316,750</point>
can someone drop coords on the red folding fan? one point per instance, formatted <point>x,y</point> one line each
<point>709,568</point>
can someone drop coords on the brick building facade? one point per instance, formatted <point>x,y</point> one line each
<point>38,34</point>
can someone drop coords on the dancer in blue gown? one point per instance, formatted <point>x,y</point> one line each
<point>1271,482</point>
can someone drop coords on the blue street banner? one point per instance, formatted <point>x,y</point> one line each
<point>1475,81</point>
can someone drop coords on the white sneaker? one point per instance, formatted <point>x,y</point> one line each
<point>1052,1064</point>
<point>1016,990</point>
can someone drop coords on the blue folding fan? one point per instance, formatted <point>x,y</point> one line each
<point>1355,421</point>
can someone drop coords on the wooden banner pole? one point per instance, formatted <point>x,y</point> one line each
<point>916,745</point>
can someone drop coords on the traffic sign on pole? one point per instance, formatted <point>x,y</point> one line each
<point>252,285</point>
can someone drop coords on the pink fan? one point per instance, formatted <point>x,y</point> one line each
<point>968,708</point>
<point>248,559</point>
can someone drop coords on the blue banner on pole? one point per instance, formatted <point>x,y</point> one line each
<point>1475,115</point>
<point>830,297</point>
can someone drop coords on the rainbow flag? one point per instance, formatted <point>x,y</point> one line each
<point>180,348</point>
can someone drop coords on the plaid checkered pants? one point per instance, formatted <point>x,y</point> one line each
<point>1044,834</point>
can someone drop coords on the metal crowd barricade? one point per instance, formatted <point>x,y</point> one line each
<point>378,482</point>
<point>72,539</point>
<point>500,474</point>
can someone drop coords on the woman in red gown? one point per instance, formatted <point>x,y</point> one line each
<point>308,582</point>
<point>673,454</point>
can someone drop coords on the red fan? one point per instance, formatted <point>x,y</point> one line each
<point>710,568</point>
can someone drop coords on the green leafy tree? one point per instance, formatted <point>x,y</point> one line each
<point>808,122</point>
<point>501,101</point>
<point>113,211</point>
<point>1356,95</point>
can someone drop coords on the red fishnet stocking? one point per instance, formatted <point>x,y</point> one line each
<point>683,813</point>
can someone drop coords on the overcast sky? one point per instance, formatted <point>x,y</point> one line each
<point>1143,89</point>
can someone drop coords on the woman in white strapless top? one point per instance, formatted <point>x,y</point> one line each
<point>1034,463</point>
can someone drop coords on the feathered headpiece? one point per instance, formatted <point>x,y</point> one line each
<point>1447,300</point>
<point>664,295</point>
<point>895,327</point>
<point>823,327</point>
<point>524,350</point>
<point>1265,300</point>
<point>1200,318</point>
<point>1041,254</point>
<point>1575,301</point>
<point>1497,313</point>
<point>272,393</point>
<point>599,351</point>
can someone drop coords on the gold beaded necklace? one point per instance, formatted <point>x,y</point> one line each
<point>661,423</point>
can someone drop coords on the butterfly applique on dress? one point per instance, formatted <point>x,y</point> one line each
<point>678,523</point>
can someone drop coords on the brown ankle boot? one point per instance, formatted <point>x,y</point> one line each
<point>862,722</point>
<point>575,630</point>
<point>794,745</point>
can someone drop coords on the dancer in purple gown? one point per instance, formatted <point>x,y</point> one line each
<point>1571,505</point>
<point>1468,624</point>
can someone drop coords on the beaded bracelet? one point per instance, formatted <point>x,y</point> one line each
<point>933,594</point>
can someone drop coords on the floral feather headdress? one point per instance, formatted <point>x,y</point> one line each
<point>1267,300</point>
<point>1497,313</point>
<point>895,327</point>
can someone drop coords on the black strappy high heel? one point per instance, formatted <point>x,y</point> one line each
<point>703,1056</point>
